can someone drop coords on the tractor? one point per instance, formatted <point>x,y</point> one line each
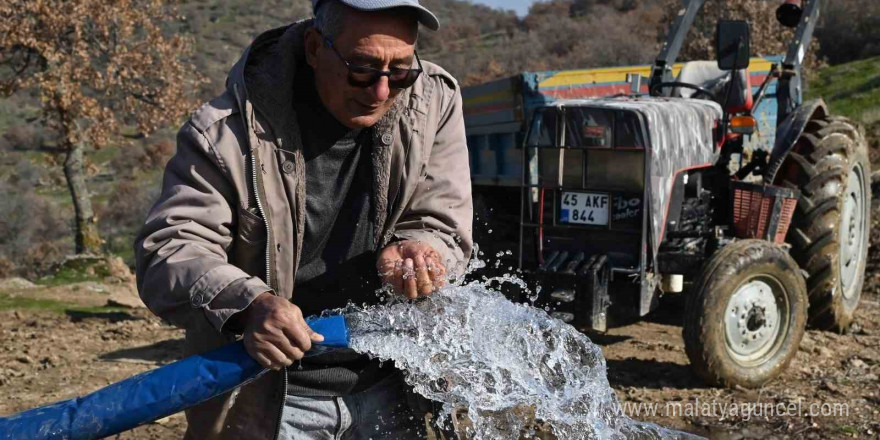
<point>627,198</point>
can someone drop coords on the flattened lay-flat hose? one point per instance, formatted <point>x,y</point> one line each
<point>154,394</point>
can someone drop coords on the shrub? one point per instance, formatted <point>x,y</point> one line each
<point>849,30</point>
<point>23,137</point>
<point>121,217</point>
<point>32,231</point>
<point>28,175</point>
<point>140,157</point>
<point>158,153</point>
<point>7,268</point>
<point>128,162</point>
<point>42,257</point>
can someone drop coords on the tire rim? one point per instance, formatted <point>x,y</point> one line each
<point>852,231</point>
<point>756,320</point>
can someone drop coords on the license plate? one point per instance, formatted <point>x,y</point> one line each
<point>584,208</point>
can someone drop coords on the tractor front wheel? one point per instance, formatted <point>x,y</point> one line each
<point>746,316</point>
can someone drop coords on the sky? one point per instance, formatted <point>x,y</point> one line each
<point>520,6</point>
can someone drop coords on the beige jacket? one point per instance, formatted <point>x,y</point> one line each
<point>221,233</point>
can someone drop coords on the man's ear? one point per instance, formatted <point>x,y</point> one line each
<point>313,43</point>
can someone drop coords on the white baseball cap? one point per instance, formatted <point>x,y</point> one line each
<point>424,16</point>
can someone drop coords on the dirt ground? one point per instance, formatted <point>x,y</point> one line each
<point>831,389</point>
<point>48,357</point>
<point>832,384</point>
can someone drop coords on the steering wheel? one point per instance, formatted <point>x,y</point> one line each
<point>699,90</point>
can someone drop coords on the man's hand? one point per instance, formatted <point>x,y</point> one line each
<point>412,268</point>
<point>275,333</point>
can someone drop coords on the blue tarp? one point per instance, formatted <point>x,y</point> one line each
<point>152,395</point>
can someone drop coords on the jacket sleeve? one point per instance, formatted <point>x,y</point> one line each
<point>183,271</point>
<point>440,212</point>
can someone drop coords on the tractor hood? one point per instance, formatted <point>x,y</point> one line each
<point>680,132</point>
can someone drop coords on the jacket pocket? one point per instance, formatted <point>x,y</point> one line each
<point>249,252</point>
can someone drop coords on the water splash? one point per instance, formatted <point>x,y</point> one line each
<point>503,363</point>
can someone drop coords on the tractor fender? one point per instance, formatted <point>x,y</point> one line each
<point>788,132</point>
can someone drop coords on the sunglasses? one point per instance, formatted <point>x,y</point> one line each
<point>363,76</point>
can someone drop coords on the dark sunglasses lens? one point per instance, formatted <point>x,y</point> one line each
<point>362,77</point>
<point>398,74</point>
<point>403,79</point>
<point>366,77</point>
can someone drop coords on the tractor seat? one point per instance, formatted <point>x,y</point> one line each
<point>706,74</point>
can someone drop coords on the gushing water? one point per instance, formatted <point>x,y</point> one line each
<point>503,363</point>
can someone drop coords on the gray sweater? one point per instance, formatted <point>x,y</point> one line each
<point>338,263</point>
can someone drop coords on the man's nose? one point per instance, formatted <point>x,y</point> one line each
<point>381,90</point>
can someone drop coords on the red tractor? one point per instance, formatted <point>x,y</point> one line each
<point>626,198</point>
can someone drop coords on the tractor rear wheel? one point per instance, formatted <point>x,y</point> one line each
<point>829,233</point>
<point>747,315</point>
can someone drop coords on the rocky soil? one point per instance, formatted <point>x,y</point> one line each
<point>830,390</point>
<point>48,356</point>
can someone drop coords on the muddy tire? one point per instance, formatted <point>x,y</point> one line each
<point>745,319</point>
<point>829,234</point>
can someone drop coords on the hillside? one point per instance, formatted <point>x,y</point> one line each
<point>478,44</point>
<point>853,90</point>
<point>223,28</point>
<point>475,43</point>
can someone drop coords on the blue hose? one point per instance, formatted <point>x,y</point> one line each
<point>154,394</point>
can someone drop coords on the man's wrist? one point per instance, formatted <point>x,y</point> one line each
<point>239,321</point>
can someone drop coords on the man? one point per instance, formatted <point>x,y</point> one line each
<point>335,151</point>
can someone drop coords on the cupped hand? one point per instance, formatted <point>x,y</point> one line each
<point>412,268</point>
<point>275,333</point>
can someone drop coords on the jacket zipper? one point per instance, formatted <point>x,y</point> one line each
<point>257,187</point>
<point>263,215</point>
<point>281,407</point>
<point>256,184</point>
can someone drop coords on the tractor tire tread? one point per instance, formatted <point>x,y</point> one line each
<point>822,159</point>
<point>700,321</point>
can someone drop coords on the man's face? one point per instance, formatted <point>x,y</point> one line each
<point>380,41</point>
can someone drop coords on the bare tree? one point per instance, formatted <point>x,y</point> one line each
<point>103,69</point>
